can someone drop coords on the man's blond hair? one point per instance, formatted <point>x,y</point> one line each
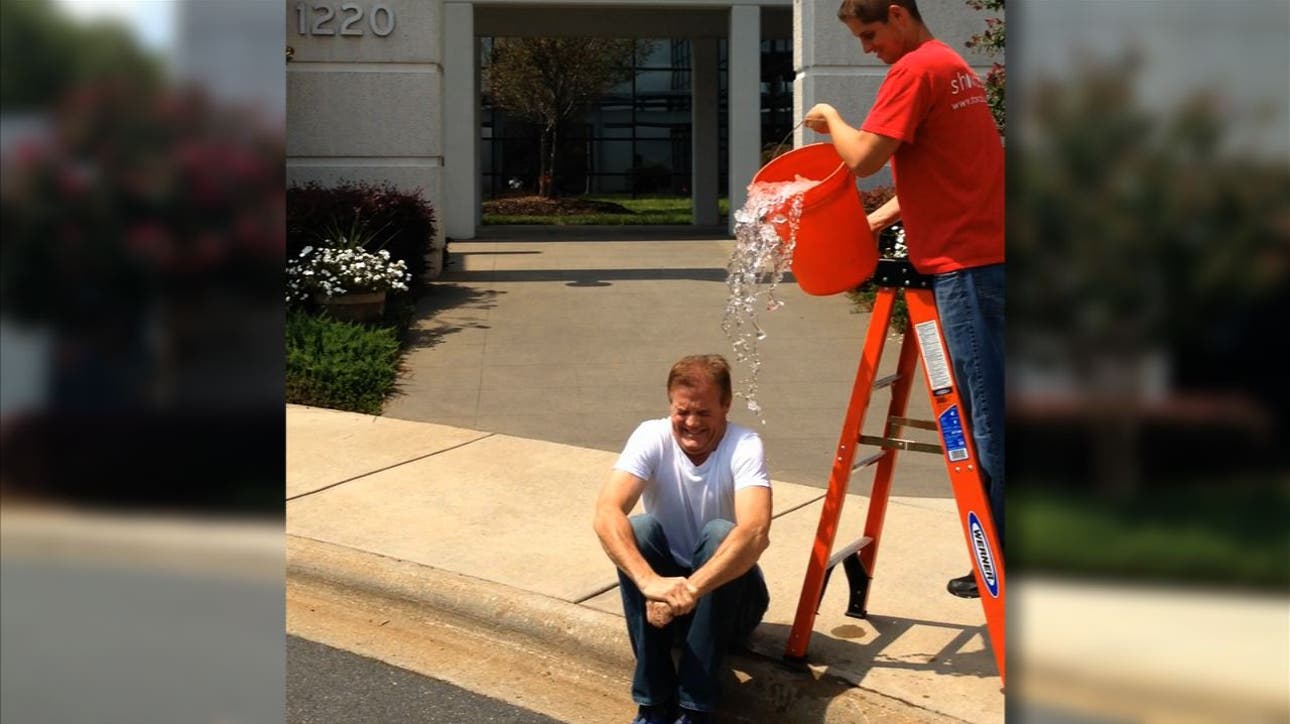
<point>690,370</point>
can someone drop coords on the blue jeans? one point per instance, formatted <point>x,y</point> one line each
<point>971,303</point>
<point>721,618</point>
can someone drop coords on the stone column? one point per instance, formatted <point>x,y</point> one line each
<point>744,84</point>
<point>460,121</point>
<point>704,136</point>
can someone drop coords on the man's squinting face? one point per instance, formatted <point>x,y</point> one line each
<point>883,39</point>
<point>698,419</point>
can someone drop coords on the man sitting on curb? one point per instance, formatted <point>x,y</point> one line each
<point>688,565</point>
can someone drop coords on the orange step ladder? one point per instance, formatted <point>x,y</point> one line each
<point>858,558</point>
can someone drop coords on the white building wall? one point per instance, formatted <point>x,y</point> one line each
<point>364,106</point>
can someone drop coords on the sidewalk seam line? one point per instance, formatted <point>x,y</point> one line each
<point>799,506</point>
<point>388,467</point>
<point>588,596</point>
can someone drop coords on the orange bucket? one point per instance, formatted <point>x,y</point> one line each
<point>835,249</point>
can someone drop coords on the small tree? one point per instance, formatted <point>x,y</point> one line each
<point>1132,231</point>
<point>992,42</point>
<point>549,80</point>
<point>45,55</point>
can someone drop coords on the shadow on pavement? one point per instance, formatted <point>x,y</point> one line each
<point>757,686</point>
<point>845,655</point>
<point>463,300</point>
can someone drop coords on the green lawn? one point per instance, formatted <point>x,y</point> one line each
<point>1230,533</point>
<point>645,211</point>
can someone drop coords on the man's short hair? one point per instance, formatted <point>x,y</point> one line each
<point>688,371</point>
<point>875,11</point>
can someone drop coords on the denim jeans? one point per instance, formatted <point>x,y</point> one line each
<point>720,619</point>
<point>971,304</point>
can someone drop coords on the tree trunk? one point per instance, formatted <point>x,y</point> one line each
<point>544,176</point>
<point>555,133</point>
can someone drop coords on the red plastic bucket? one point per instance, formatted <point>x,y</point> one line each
<point>835,249</point>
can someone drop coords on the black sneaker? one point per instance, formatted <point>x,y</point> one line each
<point>651,715</point>
<point>689,716</point>
<point>964,587</point>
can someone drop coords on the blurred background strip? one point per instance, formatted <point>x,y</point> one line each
<point>1149,270</point>
<point>141,323</point>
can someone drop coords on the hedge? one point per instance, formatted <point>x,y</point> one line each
<point>339,365</point>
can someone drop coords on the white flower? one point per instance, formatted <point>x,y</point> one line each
<point>332,272</point>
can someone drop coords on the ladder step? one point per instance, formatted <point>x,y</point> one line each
<point>869,460</point>
<point>849,549</point>
<point>857,577</point>
<point>899,444</point>
<point>887,381</point>
<point>911,422</point>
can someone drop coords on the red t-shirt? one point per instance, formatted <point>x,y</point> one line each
<point>949,168</point>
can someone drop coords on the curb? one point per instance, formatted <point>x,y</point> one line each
<point>757,688</point>
<point>555,625</point>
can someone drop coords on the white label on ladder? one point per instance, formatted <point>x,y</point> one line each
<point>934,360</point>
<point>951,426</point>
<point>984,557</point>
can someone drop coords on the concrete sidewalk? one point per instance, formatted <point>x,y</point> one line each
<point>512,516</point>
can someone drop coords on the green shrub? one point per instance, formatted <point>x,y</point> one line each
<point>340,365</point>
<point>401,222</point>
<point>862,297</point>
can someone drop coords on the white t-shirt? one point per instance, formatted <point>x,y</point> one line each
<point>684,496</point>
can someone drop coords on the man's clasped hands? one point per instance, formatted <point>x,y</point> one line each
<point>667,598</point>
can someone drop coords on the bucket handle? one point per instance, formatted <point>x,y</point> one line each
<point>786,137</point>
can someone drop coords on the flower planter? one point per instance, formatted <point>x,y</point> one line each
<point>357,307</point>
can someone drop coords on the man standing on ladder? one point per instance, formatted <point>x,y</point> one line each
<point>931,119</point>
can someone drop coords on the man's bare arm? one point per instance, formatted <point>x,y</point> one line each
<point>616,500</point>
<point>745,544</point>
<point>863,152</point>
<point>885,215</point>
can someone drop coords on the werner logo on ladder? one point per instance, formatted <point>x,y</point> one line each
<point>923,340</point>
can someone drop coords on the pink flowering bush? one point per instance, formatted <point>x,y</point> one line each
<point>135,195</point>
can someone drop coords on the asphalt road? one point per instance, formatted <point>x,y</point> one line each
<point>330,686</point>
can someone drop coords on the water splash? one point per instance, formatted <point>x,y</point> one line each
<point>760,256</point>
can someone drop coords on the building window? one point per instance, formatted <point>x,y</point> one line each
<point>636,139</point>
